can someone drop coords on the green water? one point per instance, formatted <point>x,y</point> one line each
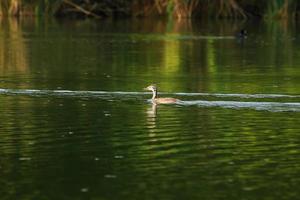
<point>75,122</point>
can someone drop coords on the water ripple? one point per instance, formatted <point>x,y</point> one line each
<point>93,93</point>
<point>267,106</point>
<point>246,96</point>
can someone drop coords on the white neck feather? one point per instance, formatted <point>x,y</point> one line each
<point>154,94</point>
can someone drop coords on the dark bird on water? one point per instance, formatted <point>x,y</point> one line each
<point>242,34</point>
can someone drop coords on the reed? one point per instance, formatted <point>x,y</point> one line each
<point>229,9</point>
<point>233,9</point>
<point>29,7</point>
<point>189,8</point>
<point>9,7</point>
<point>183,8</point>
<point>282,9</point>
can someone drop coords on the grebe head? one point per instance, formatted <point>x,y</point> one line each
<point>151,88</point>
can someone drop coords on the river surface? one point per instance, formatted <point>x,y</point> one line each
<point>75,122</point>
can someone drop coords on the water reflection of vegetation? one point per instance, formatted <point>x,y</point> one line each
<point>13,50</point>
<point>165,59</point>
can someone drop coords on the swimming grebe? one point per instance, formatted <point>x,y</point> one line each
<point>157,100</point>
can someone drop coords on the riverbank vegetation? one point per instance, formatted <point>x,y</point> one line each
<point>233,9</point>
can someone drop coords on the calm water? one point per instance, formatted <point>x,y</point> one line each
<point>75,122</point>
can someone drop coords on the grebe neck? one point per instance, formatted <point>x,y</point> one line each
<point>154,94</point>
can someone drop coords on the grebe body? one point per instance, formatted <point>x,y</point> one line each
<point>157,100</point>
